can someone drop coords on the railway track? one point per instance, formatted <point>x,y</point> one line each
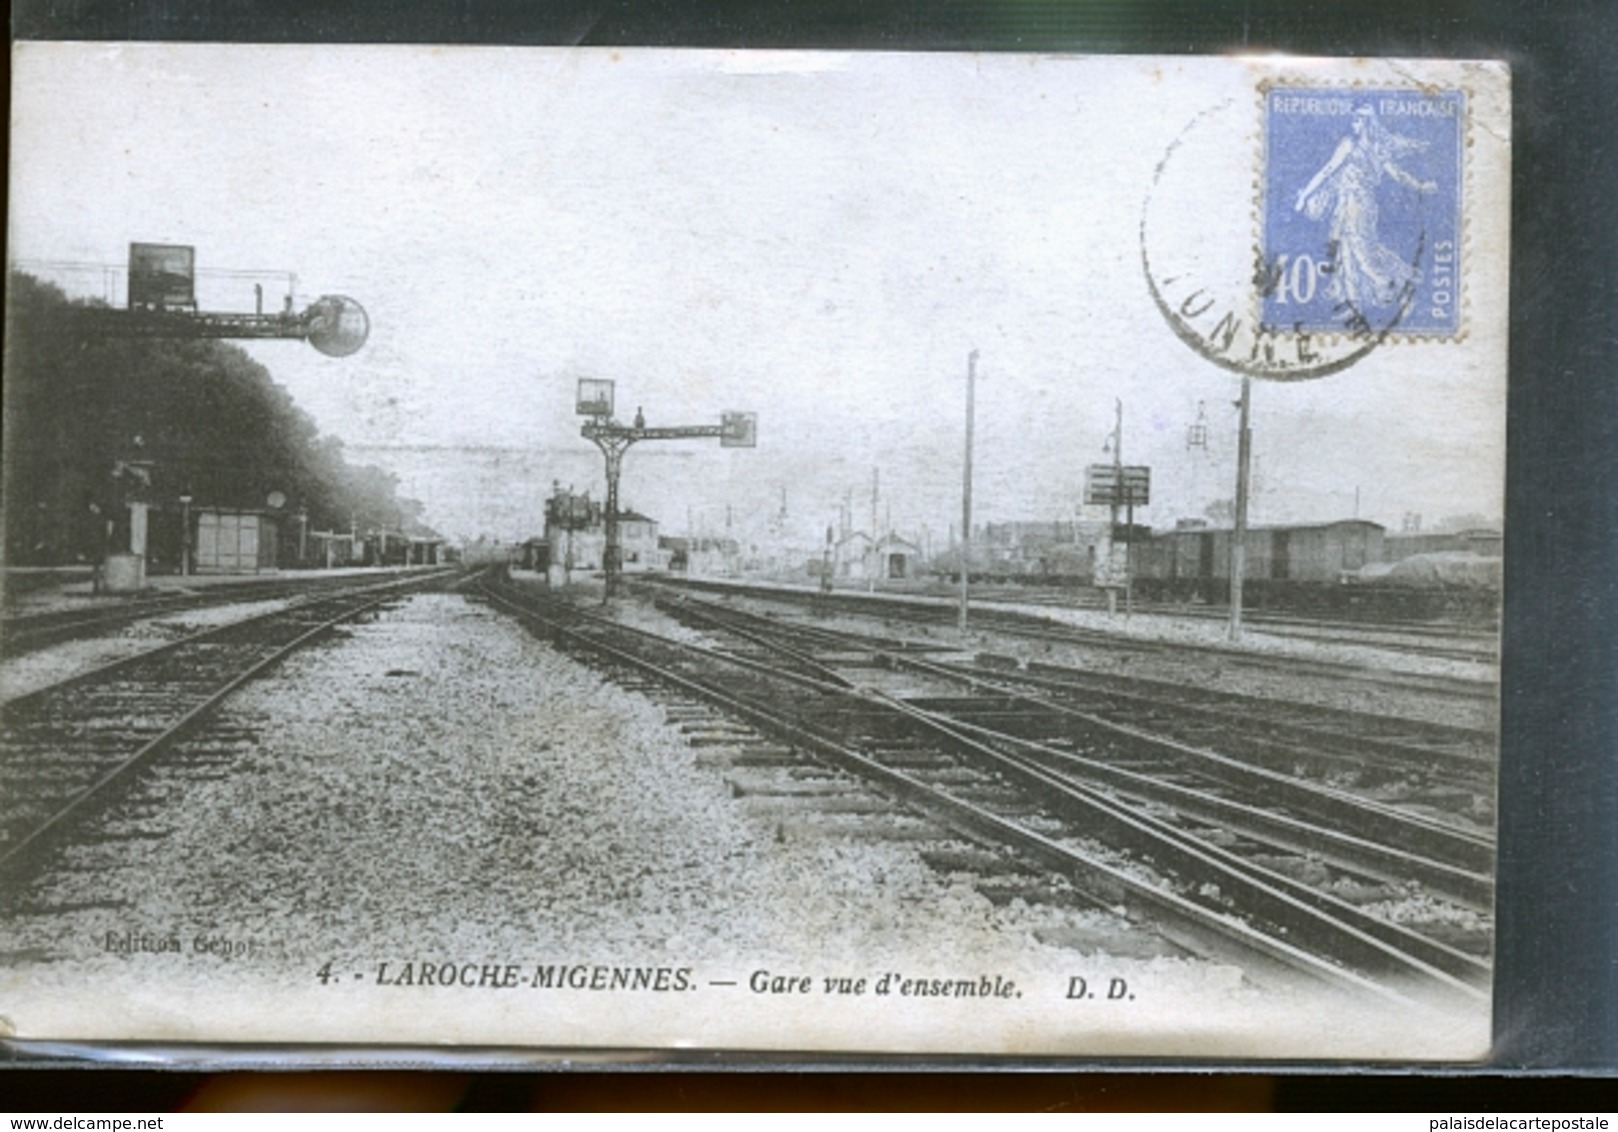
<point>1283,891</point>
<point>1461,642</point>
<point>1335,741</point>
<point>25,632</point>
<point>1040,629</point>
<point>1272,758</point>
<point>72,748</point>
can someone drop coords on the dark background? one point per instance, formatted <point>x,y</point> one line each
<point>1557,987</point>
<point>67,1090</point>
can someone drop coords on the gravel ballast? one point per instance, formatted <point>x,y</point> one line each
<point>436,789</point>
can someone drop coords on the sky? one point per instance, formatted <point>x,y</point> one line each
<point>822,239</point>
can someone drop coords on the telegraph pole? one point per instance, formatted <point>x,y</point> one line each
<point>1117,441</point>
<point>735,430</point>
<point>1238,539</point>
<point>966,483</point>
<point>1117,454</point>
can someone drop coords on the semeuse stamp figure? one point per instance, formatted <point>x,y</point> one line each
<point>1365,272</point>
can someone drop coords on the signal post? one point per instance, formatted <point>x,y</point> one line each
<point>162,303</point>
<point>1127,486</point>
<point>595,400</point>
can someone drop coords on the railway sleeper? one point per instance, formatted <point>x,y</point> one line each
<point>1007,888</point>
<point>785,786</point>
<point>966,857</point>
<point>714,724</point>
<point>765,756</point>
<point>852,802</point>
<point>703,739</point>
<point>889,827</point>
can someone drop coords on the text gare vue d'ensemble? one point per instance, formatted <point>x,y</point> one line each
<point>763,983</point>
<point>599,977</point>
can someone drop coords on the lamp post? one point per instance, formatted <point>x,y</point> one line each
<point>185,536</point>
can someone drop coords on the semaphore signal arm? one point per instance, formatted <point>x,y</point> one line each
<point>629,433</point>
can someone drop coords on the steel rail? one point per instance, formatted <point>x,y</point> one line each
<point>1444,842</point>
<point>39,838</point>
<point>816,682</point>
<point>1043,761</point>
<point>1460,642</point>
<point>1264,891</point>
<point>1099,880</point>
<point>1238,708</point>
<point>1468,881</point>
<point>797,656</point>
<point>1329,845</point>
<point>1036,627</point>
<point>1451,861</point>
<point>831,638</point>
<point>1453,635</point>
<point>1266,887</point>
<point>21,633</point>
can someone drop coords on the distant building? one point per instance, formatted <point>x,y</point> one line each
<point>702,556</point>
<point>1039,547</point>
<point>424,550</point>
<point>637,539</point>
<point>334,549</point>
<point>860,558</point>
<point>534,554</point>
<point>374,546</point>
<point>895,557</point>
<point>851,557</point>
<point>576,536</point>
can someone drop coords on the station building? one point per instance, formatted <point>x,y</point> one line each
<point>576,536</point>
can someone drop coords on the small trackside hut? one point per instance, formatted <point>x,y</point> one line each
<point>232,541</point>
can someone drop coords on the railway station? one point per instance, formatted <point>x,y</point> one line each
<point>1073,725</point>
<point>1309,803</point>
<point>418,621</point>
<point>1071,729</point>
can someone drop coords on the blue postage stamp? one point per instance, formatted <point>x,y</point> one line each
<point>1362,210</point>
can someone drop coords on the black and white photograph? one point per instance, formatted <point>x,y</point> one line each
<point>793,552</point>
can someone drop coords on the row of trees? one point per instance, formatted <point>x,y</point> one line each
<point>92,422</point>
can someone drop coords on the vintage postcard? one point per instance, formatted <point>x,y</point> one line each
<point>809,553</point>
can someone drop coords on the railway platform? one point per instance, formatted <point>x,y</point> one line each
<point>29,591</point>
